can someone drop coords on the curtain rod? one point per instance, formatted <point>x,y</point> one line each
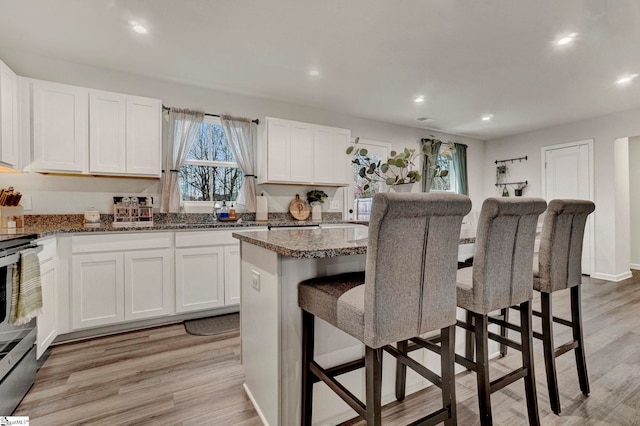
<point>166,108</point>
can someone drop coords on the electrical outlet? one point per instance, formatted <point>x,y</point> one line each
<point>25,202</point>
<point>334,205</point>
<point>255,280</point>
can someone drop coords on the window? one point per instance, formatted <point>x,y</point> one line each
<point>210,172</point>
<point>443,183</point>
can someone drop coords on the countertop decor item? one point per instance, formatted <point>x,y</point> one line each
<point>399,167</point>
<point>299,209</point>
<point>316,198</point>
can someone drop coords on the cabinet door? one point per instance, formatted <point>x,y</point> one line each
<point>107,132</point>
<point>232,275</point>
<point>331,163</point>
<point>9,147</point>
<point>278,150</point>
<point>148,284</point>
<point>60,120</point>
<point>199,278</point>
<point>301,153</point>
<point>47,321</point>
<point>97,289</point>
<point>144,129</point>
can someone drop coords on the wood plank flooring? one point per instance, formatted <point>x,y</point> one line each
<point>164,376</point>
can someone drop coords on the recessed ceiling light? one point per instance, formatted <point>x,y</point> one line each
<point>487,117</point>
<point>137,27</point>
<point>418,99</point>
<point>626,79</point>
<point>314,73</point>
<point>567,39</point>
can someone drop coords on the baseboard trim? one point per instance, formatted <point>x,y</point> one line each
<point>635,266</point>
<point>610,277</point>
<point>255,405</point>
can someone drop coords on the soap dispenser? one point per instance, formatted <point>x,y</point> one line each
<point>224,211</point>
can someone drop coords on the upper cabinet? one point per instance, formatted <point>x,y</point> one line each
<point>9,146</point>
<point>86,131</point>
<point>292,152</point>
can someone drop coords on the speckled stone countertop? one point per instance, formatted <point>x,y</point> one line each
<point>310,243</point>
<point>48,225</point>
<point>315,243</point>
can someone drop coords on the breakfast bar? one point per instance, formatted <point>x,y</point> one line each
<point>273,263</point>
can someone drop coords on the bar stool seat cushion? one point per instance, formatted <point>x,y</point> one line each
<point>337,299</point>
<point>464,289</point>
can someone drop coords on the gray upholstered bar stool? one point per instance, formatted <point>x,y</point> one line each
<point>500,278</point>
<point>408,289</point>
<point>559,267</point>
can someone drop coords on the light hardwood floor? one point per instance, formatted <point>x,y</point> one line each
<point>164,376</point>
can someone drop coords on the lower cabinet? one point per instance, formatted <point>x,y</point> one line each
<point>131,281</point>
<point>47,328</point>
<point>207,270</point>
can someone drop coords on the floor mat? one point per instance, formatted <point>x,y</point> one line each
<point>213,325</point>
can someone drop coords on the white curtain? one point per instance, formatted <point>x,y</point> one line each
<point>183,129</point>
<point>240,133</point>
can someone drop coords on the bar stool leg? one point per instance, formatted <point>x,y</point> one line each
<point>447,368</point>
<point>401,372</point>
<point>482,368</point>
<point>307,374</point>
<point>576,319</point>
<point>549,349</point>
<point>527,362</point>
<point>504,331</point>
<point>468,338</point>
<point>373,366</point>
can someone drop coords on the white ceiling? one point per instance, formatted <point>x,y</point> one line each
<point>467,57</point>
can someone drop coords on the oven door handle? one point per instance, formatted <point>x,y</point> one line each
<point>15,257</point>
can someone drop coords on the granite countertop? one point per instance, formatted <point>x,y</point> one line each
<point>310,243</point>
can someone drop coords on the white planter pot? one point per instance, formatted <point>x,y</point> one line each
<point>316,211</point>
<point>403,187</point>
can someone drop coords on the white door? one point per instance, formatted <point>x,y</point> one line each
<point>107,132</point>
<point>8,116</point>
<point>144,133</point>
<point>357,202</point>
<point>148,284</point>
<point>232,275</point>
<point>47,321</point>
<point>199,278</point>
<point>568,174</point>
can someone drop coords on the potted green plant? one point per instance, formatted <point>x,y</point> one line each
<point>316,198</point>
<point>399,167</point>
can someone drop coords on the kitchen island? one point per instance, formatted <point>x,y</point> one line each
<point>273,263</point>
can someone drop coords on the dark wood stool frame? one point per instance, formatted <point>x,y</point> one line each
<point>551,352</point>
<point>477,325</point>
<point>312,372</point>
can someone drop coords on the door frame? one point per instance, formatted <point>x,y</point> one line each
<point>348,194</point>
<point>591,217</point>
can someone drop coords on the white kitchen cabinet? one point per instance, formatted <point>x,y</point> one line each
<point>121,277</point>
<point>302,153</point>
<point>107,132</point>
<point>207,270</point>
<point>59,127</point>
<point>289,152</point>
<point>330,161</point>
<point>232,275</point>
<point>200,278</point>
<point>144,136</point>
<point>47,322</point>
<point>125,134</point>
<point>9,142</point>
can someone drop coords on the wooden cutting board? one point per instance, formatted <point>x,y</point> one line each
<point>299,209</point>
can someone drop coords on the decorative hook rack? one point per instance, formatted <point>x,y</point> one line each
<point>526,182</point>
<point>525,158</point>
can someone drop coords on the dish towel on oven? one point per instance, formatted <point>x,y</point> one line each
<point>26,299</point>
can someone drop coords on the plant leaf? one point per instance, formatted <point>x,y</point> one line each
<point>363,151</point>
<point>350,150</point>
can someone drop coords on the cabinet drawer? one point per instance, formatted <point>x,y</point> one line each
<point>120,241</point>
<point>204,238</point>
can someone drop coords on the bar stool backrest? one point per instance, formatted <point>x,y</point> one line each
<point>412,253</point>
<point>560,255</point>
<point>503,258</point>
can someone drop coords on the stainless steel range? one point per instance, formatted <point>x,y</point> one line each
<point>17,343</point>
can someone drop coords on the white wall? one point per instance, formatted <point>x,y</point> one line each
<point>611,229</point>
<point>55,194</point>
<point>634,197</point>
